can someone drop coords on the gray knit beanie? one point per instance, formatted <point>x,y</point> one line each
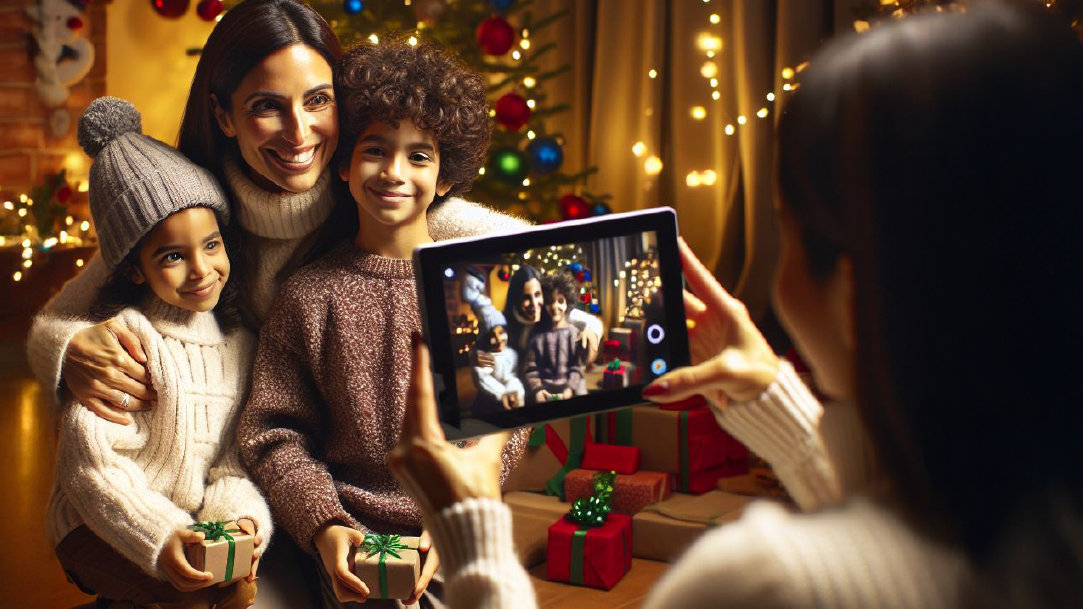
<point>137,181</point>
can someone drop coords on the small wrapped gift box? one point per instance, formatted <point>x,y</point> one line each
<point>665,530</point>
<point>531,515</point>
<point>631,492</point>
<point>621,459</point>
<point>615,375</point>
<point>590,556</point>
<point>553,450</point>
<point>225,553</point>
<point>389,565</point>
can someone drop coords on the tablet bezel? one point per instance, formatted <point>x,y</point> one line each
<point>430,260</point>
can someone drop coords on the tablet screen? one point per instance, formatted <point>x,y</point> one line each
<point>558,321</point>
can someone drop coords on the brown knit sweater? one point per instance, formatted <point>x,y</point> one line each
<point>328,396</point>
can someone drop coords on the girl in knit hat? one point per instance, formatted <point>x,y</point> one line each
<point>499,387</point>
<point>125,495</point>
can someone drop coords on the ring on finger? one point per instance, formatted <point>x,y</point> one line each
<point>125,401</point>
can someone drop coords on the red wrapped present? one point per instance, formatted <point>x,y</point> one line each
<point>590,556</point>
<point>631,492</point>
<point>688,444</point>
<point>553,450</point>
<point>615,375</point>
<point>621,459</point>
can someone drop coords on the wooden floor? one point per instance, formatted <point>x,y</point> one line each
<point>28,568</point>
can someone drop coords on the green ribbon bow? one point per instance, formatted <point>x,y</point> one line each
<point>614,365</point>
<point>593,511</point>
<point>213,530</point>
<point>378,543</point>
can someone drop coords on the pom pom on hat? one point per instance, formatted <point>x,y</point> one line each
<point>106,119</point>
<point>137,181</point>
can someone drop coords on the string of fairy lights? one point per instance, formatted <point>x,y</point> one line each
<point>30,241</point>
<point>710,44</point>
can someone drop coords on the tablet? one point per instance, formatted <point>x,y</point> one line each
<point>559,320</point>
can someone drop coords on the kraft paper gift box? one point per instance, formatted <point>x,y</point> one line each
<point>663,531</point>
<point>552,451</point>
<point>390,565</point>
<point>631,492</point>
<point>531,515</point>
<point>688,444</point>
<point>590,556</point>
<point>225,553</point>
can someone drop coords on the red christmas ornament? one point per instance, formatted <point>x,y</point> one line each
<point>209,9</point>
<point>75,23</point>
<point>512,111</point>
<point>573,207</point>
<point>170,9</point>
<point>63,194</point>
<point>495,36</point>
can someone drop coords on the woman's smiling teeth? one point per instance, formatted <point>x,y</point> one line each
<point>294,158</point>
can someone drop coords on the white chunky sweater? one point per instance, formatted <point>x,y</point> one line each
<point>856,555</point>
<point>176,464</point>
<point>279,226</point>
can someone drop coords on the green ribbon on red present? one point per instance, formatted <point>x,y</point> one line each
<point>594,510</point>
<point>614,365</point>
<point>378,543</point>
<point>213,530</point>
<point>682,430</point>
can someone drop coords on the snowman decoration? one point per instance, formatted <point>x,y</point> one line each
<point>62,57</point>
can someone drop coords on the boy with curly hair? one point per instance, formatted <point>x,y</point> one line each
<point>331,375</point>
<point>554,361</point>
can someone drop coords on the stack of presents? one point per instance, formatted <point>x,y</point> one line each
<point>670,464</point>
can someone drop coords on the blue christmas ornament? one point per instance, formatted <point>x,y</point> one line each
<point>501,5</point>
<point>352,7</point>
<point>546,155</point>
<point>586,272</point>
<point>599,209</point>
<point>594,308</point>
<point>575,266</point>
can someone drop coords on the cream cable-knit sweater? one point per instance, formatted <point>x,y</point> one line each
<point>175,465</point>
<point>856,555</point>
<point>280,226</point>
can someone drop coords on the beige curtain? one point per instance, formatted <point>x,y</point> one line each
<point>612,46</point>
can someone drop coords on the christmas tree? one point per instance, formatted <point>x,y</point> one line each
<point>524,174</point>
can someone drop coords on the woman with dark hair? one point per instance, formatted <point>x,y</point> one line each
<point>262,116</point>
<point>523,309</point>
<point>929,212</point>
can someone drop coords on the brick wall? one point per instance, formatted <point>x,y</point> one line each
<point>28,152</point>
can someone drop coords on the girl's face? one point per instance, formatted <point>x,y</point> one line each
<point>817,313</point>
<point>184,260</point>
<point>557,307</point>
<point>498,339</point>
<point>393,173</point>
<point>283,118</point>
<point>530,301</point>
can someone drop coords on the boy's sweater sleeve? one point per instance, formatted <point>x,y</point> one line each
<point>782,426</point>
<point>110,491</point>
<point>59,320</point>
<point>457,217</point>
<point>231,495</point>
<point>280,430</point>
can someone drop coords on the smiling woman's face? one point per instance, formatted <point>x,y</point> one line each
<point>284,120</point>
<point>530,301</point>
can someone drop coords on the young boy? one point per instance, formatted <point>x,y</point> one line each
<point>554,359</point>
<point>332,367</point>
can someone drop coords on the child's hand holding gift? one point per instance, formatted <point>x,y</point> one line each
<point>335,543</point>
<point>249,527</point>
<point>174,565</point>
